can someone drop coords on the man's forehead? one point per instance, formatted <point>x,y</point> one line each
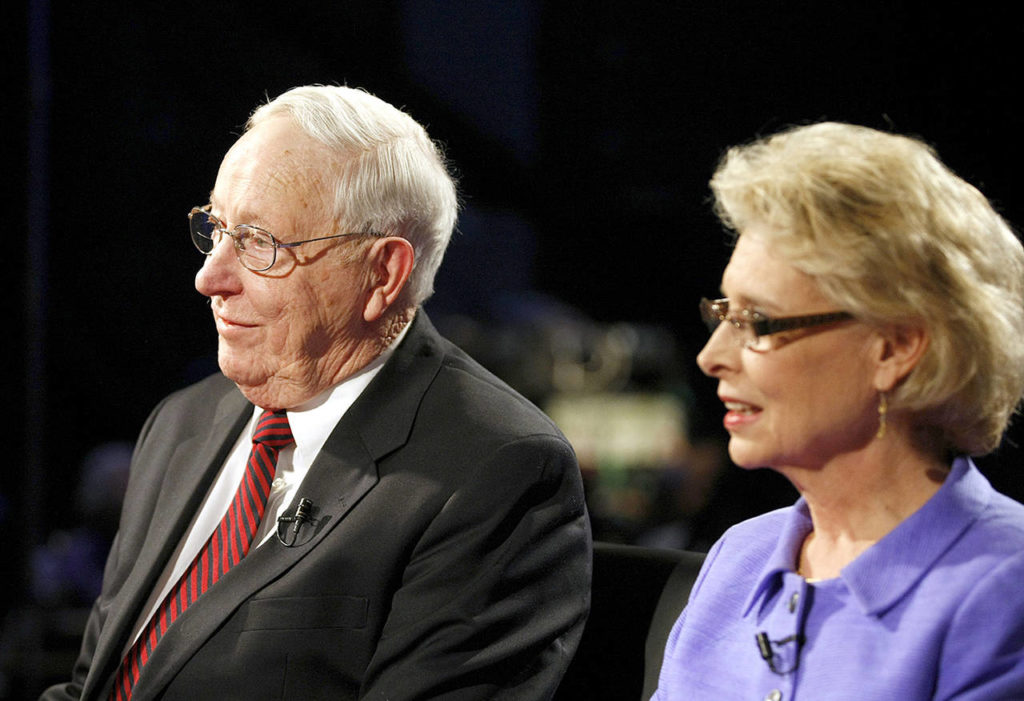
<point>278,161</point>
<point>281,149</point>
<point>271,176</point>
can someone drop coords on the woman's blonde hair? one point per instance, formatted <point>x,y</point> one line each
<point>896,238</point>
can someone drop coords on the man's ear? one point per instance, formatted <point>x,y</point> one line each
<point>391,260</point>
<point>900,348</point>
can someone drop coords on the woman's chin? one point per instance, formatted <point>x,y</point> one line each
<point>746,457</point>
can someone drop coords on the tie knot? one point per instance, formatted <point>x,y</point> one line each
<point>272,430</point>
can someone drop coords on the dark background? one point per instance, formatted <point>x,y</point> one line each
<point>583,135</point>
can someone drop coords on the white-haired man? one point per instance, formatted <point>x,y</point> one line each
<point>353,508</point>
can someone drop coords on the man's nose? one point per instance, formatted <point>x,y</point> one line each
<point>219,274</point>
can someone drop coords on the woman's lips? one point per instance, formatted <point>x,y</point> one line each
<point>739,413</point>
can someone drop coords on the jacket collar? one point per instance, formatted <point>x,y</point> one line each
<point>887,571</point>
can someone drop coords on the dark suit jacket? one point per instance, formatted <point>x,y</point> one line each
<point>449,555</point>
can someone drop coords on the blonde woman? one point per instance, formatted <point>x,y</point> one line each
<point>870,337</point>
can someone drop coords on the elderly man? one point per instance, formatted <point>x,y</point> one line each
<point>354,508</point>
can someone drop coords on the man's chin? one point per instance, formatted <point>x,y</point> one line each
<point>240,370</point>
<point>258,385</point>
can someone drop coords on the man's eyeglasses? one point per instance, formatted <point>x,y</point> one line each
<point>753,328</point>
<point>256,248</point>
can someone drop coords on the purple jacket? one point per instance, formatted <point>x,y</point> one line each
<point>934,610</point>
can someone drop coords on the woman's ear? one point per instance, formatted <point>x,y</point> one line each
<point>900,348</point>
<point>391,261</point>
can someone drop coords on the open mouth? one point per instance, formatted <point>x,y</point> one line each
<point>742,408</point>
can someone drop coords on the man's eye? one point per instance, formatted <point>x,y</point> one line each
<point>257,241</point>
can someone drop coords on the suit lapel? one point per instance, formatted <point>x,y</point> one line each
<point>190,471</point>
<point>378,423</point>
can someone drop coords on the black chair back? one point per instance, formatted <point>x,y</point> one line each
<point>637,594</point>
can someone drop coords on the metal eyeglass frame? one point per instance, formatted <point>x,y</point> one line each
<point>198,237</point>
<point>715,311</point>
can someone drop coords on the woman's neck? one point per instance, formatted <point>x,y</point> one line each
<point>856,499</point>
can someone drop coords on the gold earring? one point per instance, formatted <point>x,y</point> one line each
<point>883,409</point>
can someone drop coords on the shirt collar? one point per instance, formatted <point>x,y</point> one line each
<point>890,568</point>
<point>313,421</point>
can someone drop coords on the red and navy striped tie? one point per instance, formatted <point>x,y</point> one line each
<point>226,547</point>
